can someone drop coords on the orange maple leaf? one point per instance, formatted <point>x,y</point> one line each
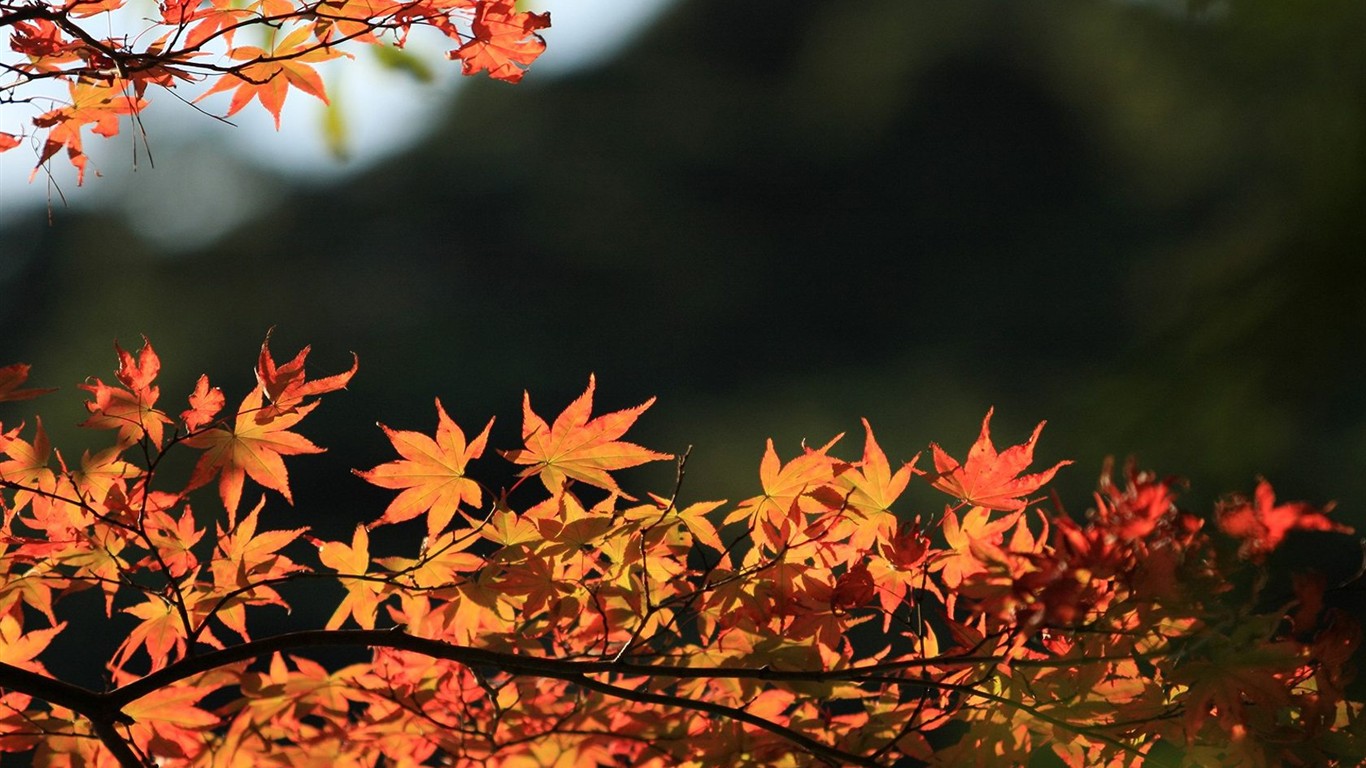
<point>1233,679</point>
<point>431,473</point>
<point>694,518</point>
<point>989,479</point>
<point>205,403</point>
<point>174,539</point>
<point>870,488</point>
<point>129,410</point>
<point>243,558</point>
<point>27,468</point>
<point>802,485</point>
<point>20,647</point>
<point>160,632</point>
<point>83,8</point>
<point>362,596</point>
<point>249,448</point>
<point>1263,525</point>
<point>875,486</point>
<point>95,102</point>
<point>972,541</point>
<point>267,75</point>
<point>101,472</point>
<point>170,716</point>
<point>504,42</point>
<point>344,20</point>
<point>285,386</point>
<point>577,448</point>
<point>137,373</point>
<point>11,378</point>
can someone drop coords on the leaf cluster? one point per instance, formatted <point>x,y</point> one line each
<point>108,54</point>
<point>560,620</point>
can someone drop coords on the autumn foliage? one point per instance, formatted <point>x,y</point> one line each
<point>827,619</point>
<point>108,56</point>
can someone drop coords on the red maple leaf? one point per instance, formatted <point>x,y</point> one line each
<point>853,588</point>
<point>1262,524</point>
<point>989,479</point>
<point>504,42</point>
<point>46,45</point>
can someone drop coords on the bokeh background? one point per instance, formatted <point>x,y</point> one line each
<point>1142,221</point>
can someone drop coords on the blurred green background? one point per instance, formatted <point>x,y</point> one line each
<point>1142,221</point>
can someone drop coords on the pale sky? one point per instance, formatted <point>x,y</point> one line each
<point>384,112</point>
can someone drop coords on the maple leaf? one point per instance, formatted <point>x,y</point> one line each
<point>853,588</point>
<point>362,596</point>
<point>976,538</point>
<point>130,411</point>
<point>538,584</point>
<point>20,647</point>
<point>1263,525</point>
<point>279,691</point>
<point>571,530</point>
<point>1134,511</point>
<point>101,472</point>
<point>27,467</point>
<point>869,490</point>
<point>285,386</point>
<point>504,41</point>
<point>205,403</point>
<point>442,557</point>
<point>874,484</point>
<point>342,20</point>
<point>989,479</point>
<point>803,486</point>
<point>97,102</point>
<point>216,19</point>
<point>431,473</point>
<point>267,75</point>
<point>508,529</point>
<point>249,448</point>
<point>31,587</point>
<point>1236,678</point>
<point>137,373</point>
<point>694,518</point>
<point>169,716</point>
<point>907,548</point>
<point>80,8</point>
<point>244,558</point>
<point>577,448</point>
<point>161,632</point>
<point>46,45</point>
<point>174,540</point>
<point>8,141</point>
<point>12,377</point>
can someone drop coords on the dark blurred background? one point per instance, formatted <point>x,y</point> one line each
<point>1142,221</point>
